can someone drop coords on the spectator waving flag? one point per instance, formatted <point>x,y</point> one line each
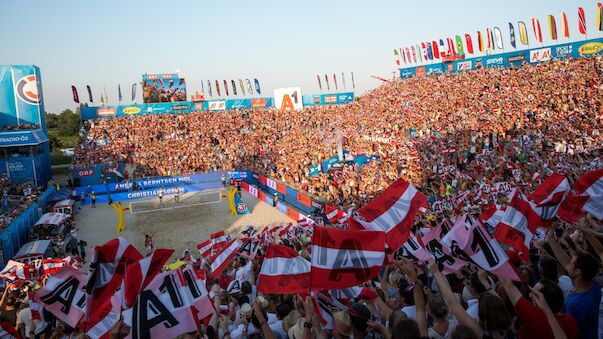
<point>469,241</point>
<point>393,212</point>
<point>588,197</point>
<point>342,259</point>
<point>204,248</point>
<point>218,238</point>
<point>433,244</point>
<point>547,197</point>
<point>107,269</point>
<point>139,274</point>
<point>224,257</point>
<point>166,307</point>
<point>518,225</point>
<point>63,296</point>
<point>284,271</point>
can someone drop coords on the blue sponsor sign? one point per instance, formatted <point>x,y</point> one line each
<point>94,175</point>
<point>213,179</point>
<point>88,113</point>
<point>328,99</point>
<point>314,170</point>
<point>22,138</point>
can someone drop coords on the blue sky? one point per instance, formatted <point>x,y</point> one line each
<point>282,43</point>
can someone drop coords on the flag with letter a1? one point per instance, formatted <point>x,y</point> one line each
<point>442,255</point>
<point>343,259</point>
<point>393,212</point>
<point>469,240</point>
<point>284,271</point>
<point>63,295</point>
<point>166,307</point>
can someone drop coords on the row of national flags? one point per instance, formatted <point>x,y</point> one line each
<point>491,39</point>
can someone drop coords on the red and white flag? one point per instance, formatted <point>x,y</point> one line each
<point>393,212</point>
<point>218,238</point>
<point>16,270</point>
<point>284,271</point>
<point>63,295</point>
<point>492,215</point>
<point>102,321</point>
<point>342,259</point>
<point>518,225</point>
<point>548,196</point>
<point>201,299</point>
<point>51,265</point>
<point>334,215</point>
<point>204,248</point>
<point>588,197</point>
<point>107,269</point>
<point>222,259</point>
<point>139,274</point>
<point>471,242</point>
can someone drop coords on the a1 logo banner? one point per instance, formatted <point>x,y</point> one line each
<point>63,295</point>
<point>163,308</point>
<point>249,231</point>
<point>234,287</point>
<point>249,248</point>
<point>469,241</point>
<point>446,262</point>
<point>413,250</point>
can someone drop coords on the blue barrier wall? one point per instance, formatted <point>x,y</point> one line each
<point>510,59</point>
<point>93,175</point>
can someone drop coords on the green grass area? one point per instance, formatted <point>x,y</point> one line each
<point>67,141</point>
<point>57,158</point>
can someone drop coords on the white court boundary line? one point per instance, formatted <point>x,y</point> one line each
<point>203,192</point>
<point>175,207</point>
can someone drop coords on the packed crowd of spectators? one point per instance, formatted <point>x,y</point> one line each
<point>536,118</point>
<point>449,135</point>
<point>15,199</point>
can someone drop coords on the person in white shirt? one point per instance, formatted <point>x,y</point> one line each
<point>25,319</point>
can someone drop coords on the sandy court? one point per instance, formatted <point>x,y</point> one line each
<point>174,228</point>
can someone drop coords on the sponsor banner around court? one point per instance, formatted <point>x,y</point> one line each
<point>88,113</point>
<point>93,175</point>
<point>511,59</point>
<point>211,178</point>
<point>328,99</point>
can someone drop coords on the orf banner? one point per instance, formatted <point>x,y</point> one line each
<point>21,96</point>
